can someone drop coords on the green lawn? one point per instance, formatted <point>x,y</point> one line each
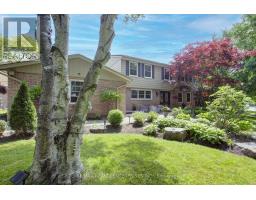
<point>137,159</point>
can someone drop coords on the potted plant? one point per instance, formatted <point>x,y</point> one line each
<point>165,110</point>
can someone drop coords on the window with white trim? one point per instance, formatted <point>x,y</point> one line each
<point>180,97</point>
<point>148,71</point>
<point>141,94</point>
<point>74,90</point>
<point>188,97</point>
<point>166,74</point>
<point>133,69</point>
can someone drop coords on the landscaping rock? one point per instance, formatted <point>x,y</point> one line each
<point>247,148</point>
<point>178,134</point>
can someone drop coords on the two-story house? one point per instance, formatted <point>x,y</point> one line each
<point>151,84</point>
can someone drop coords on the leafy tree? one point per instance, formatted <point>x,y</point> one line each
<point>243,34</point>
<point>23,116</point>
<point>59,136</point>
<point>110,96</point>
<point>228,105</point>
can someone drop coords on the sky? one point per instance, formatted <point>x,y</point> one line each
<point>153,37</point>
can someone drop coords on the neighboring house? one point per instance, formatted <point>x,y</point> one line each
<point>3,97</point>
<point>151,84</point>
<point>79,65</point>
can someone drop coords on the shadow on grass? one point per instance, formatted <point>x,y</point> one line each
<point>15,137</point>
<point>131,162</point>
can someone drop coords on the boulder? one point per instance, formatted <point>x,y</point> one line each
<point>247,148</point>
<point>178,134</point>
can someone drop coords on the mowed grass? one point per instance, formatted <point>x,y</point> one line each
<point>137,159</point>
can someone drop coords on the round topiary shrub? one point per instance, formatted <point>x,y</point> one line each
<point>152,116</point>
<point>115,117</point>
<point>23,116</point>
<point>2,126</point>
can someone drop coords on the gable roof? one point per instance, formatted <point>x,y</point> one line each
<point>6,66</point>
<point>142,59</point>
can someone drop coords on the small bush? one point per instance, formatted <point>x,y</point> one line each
<point>176,111</point>
<point>203,121</point>
<point>115,117</point>
<point>170,122</point>
<point>150,130</point>
<point>23,116</point>
<point>183,116</point>
<point>139,118</point>
<point>207,135</point>
<point>245,125</point>
<point>35,92</point>
<point>2,126</point>
<point>165,109</point>
<point>110,95</point>
<point>3,114</point>
<point>152,116</point>
<point>205,115</point>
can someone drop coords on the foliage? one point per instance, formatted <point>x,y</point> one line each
<point>208,62</point>
<point>2,126</point>
<point>139,118</point>
<point>227,106</point>
<point>3,114</point>
<point>23,116</point>
<point>165,109</point>
<point>204,134</point>
<point>110,95</point>
<point>158,162</point>
<point>35,92</point>
<point>115,117</point>
<point>198,132</point>
<point>245,125</point>
<point>203,121</point>
<point>243,34</point>
<point>205,115</point>
<point>152,116</point>
<point>183,116</point>
<point>198,110</point>
<point>176,111</point>
<point>247,76</point>
<point>150,130</point>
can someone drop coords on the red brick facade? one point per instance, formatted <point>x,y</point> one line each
<point>98,107</point>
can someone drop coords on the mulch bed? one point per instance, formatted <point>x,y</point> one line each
<point>14,137</point>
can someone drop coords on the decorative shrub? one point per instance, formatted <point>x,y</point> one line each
<point>110,95</point>
<point>176,111</point>
<point>150,130</point>
<point>139,118</point>
<point>152,116</point>
<point>207,135</point>
<point>165,109</point>
<point>23,116</point>
<point>35,92</point>
<point>115,117</point>
<point>205,115</point>
<point>170,122</point>
<point>2,126</point>
<point>198,132</point>
<point>183,116</point>
<point>203,121</point>
<point>227,106</point>
<point>245,125</point>
<point>3,114</point>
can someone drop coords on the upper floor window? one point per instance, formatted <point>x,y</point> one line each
<point>133,69</point>
<point>74,90</point>
<point>148,71</point>
<point>166,74</point>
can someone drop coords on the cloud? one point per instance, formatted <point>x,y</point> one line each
<point>214,23</point>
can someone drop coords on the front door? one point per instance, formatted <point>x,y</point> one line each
<point>165,98</point>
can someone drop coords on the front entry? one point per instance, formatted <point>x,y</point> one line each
<point>165,98</point>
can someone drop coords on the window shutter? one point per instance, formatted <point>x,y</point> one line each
<point>153,71</point>
<point>162,73</point>
<point>142,70</point>
<point>139,69</point>
<point>127,68</point>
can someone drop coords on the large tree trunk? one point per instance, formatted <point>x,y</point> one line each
<point>58,140</point>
